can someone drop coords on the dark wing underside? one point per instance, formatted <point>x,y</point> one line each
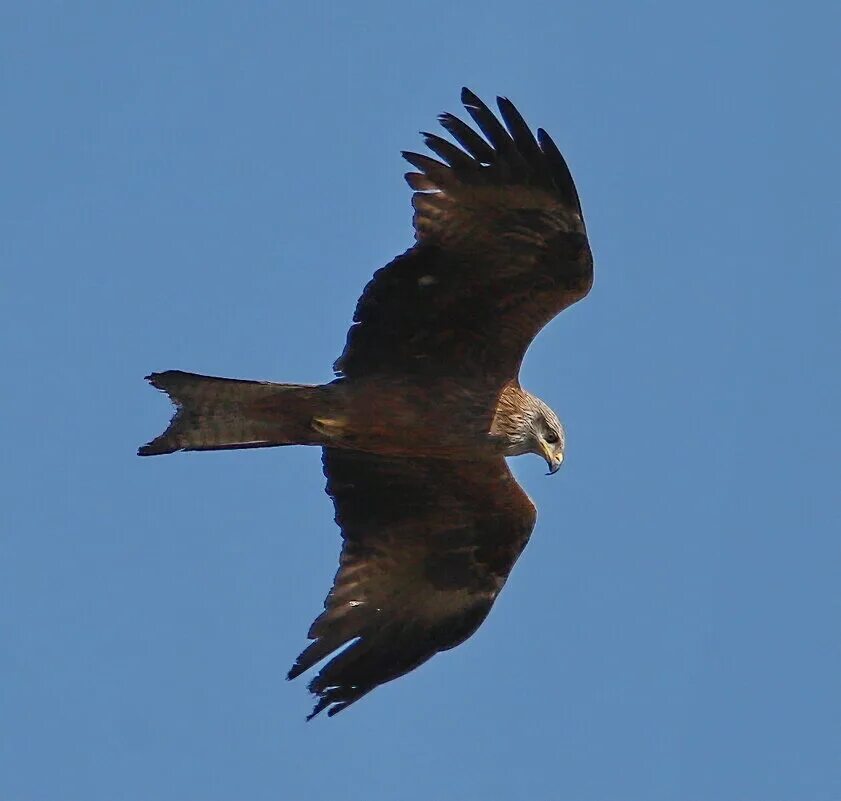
<point>501,249</point>
<point>428,545</point>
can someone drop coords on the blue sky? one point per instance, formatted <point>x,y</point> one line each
<point>208,187</point>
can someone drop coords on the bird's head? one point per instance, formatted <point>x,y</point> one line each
<point>530,426</point>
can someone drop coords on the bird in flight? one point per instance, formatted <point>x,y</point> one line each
<point>426,404</point>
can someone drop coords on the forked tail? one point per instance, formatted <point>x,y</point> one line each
<point>222,413</point>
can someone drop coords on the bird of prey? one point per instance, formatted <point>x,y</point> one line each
<point>426,404</point>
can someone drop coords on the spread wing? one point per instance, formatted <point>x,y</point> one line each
<point>428,545</point>
<point>500,249</point>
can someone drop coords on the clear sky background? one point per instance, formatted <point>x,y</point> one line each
<point>208,187</point>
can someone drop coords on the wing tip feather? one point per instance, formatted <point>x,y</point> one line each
<point>501,147</point>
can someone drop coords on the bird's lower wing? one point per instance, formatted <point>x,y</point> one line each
<point>428,545</point>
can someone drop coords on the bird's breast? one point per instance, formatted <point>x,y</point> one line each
<point>399,417</point>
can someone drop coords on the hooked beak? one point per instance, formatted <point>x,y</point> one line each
<point>554,460</point>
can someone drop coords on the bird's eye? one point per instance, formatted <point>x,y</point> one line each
<point>551,437</point>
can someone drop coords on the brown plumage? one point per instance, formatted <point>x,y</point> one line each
<point>426,404</point>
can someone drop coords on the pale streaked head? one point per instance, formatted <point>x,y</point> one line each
<point>530,426</point>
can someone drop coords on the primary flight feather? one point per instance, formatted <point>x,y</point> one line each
<point>426,404</point>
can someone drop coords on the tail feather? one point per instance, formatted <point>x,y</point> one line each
<point>225,413</point>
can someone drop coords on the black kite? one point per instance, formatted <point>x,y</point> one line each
<point>426,404</point>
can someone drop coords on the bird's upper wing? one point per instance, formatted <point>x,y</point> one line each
<point>501,249</point>
<point>428,545</point>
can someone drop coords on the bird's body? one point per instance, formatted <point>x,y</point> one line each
<point>379,414</point>
<point>426,404</point>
